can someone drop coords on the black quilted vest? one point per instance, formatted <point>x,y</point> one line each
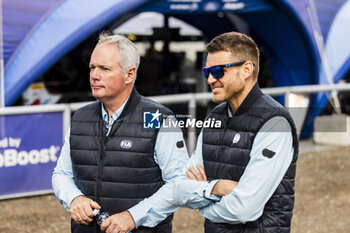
<point>117,171</point>
<point>224,159</point>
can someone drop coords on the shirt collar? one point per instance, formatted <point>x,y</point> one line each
<point>115,115</point>
<point>229,111</point>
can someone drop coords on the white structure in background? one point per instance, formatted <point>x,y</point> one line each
<point>335,129</point>
<point>37,94</point>
<point>143,24</point>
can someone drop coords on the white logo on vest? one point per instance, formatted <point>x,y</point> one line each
<point>126,144</point>
<point>236,138</point>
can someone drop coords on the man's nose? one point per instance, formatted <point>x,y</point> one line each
<point>211,79</point>
<point>94,74</point>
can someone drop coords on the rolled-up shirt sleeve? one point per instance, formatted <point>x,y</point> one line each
<point>261,177</point>
<point>194,194</point>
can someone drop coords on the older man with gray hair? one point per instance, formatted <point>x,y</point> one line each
<point>109,161</point>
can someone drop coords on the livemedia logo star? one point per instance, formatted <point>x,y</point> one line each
<point>152,120</point>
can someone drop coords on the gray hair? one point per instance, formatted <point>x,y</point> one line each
<point>129,57</point>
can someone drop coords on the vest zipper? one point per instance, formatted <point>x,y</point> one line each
<point>100,165</point>
<point>222,138</point>
<point>261,229</point>
<point>104,139</point>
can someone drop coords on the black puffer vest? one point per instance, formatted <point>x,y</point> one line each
<point>226,159</point>
<point>117,171</point>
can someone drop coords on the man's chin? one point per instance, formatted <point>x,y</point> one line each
<point>218,99</point>
<point>98,97</point>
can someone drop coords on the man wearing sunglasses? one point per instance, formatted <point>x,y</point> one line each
<point>241,176</point>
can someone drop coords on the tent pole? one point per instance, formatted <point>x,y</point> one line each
<point>2,88</point>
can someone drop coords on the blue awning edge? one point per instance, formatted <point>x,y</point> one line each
<point>43,46</point>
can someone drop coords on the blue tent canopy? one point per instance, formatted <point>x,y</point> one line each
<point>274,23</point>
<point>37,33</point>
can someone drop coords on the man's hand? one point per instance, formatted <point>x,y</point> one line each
<point>196,174</point>
<point>81,209</point>
<point>223,187</point>
<point>121,222</point>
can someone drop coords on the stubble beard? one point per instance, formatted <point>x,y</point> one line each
<point>227,96</point>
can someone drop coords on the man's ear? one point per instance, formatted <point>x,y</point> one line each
<point>130,75</point>
<point>248,69</point>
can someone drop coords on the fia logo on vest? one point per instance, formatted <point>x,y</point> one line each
<point>236,138</point>
<point>126,144</point>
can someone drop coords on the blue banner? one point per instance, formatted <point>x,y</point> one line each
<point>29,148</point>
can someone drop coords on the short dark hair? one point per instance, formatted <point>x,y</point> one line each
<point>240,45</point>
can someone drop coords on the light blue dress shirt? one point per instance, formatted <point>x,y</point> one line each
<point>257,184</point>
<point>167,155</point>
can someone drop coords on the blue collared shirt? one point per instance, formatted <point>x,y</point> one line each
<point>110,119</point>
<point>257,184</point>
<point>170,158</point>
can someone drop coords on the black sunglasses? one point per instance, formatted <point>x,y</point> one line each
<point>218,71</point>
